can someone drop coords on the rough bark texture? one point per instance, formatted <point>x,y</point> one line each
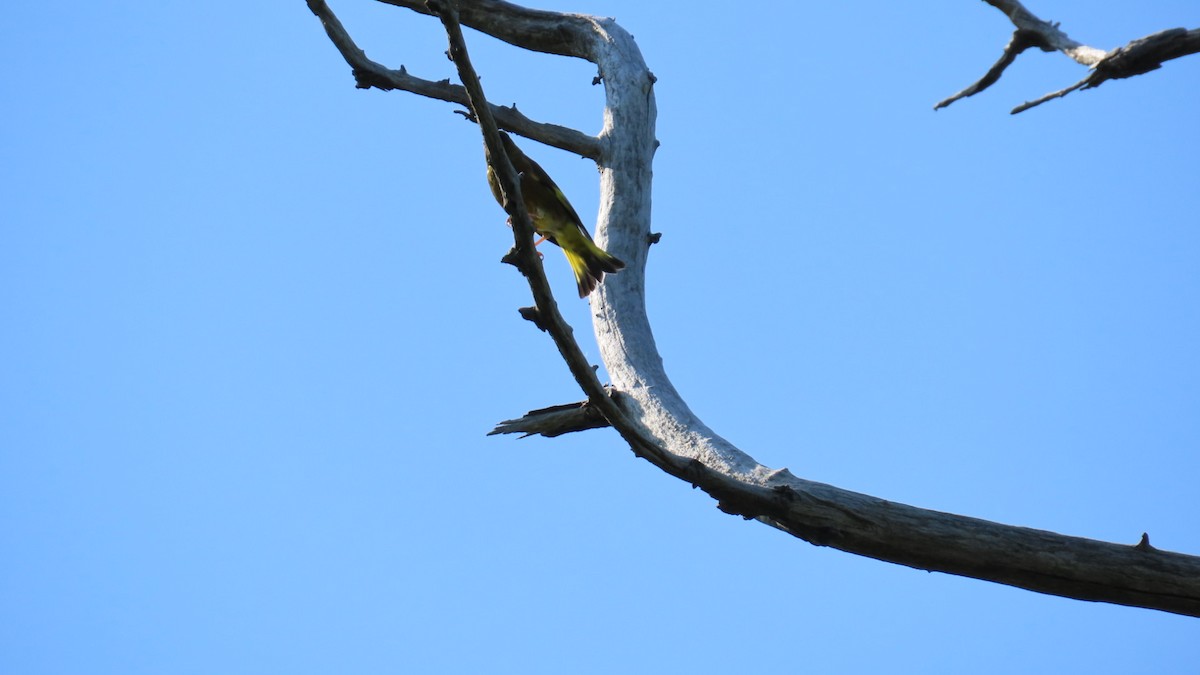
<point>655,420</point>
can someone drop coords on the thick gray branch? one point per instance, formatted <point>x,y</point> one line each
<point>533,29</point>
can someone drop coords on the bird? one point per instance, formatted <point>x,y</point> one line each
<point>555,219</point>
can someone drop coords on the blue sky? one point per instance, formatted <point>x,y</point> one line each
<point>256,331</point>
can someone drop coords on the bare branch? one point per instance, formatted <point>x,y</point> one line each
<point>1051,96</point>
<point>1050,37</point>
<point>656,422</point>
<point>1021,40</point>
<point>533,29</point>
<point>550,319</point>
<point>368,74</point>
<point>1146,54</point>
<point>1032,559</point>
<point>1140,56</point>
<point>554,421</point>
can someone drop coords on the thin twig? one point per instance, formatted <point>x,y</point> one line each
<point>1021,40</point>
<point>1052,95</point>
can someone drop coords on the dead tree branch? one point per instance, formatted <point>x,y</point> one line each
<point>368,74</point>
<point>653,418</point>
<point>554,421</point>
<point>1139,56</point>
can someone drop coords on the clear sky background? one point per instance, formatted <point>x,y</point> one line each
<point>255,331</point>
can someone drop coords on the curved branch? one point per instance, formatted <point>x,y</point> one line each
<point>657,423</point>
<point>547,317</point>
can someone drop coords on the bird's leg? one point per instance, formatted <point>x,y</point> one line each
<point>535,244</point>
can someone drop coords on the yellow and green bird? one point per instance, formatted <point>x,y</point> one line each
<point>555,219</point>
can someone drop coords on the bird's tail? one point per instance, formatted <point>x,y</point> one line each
<point>590,264</point>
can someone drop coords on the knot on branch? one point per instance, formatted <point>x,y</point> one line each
<point>533,315</point>
<point>368,79</point>
<point>1144,544</point>
<point>518,257</point>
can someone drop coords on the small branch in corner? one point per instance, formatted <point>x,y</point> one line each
<point>1136,58</point>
